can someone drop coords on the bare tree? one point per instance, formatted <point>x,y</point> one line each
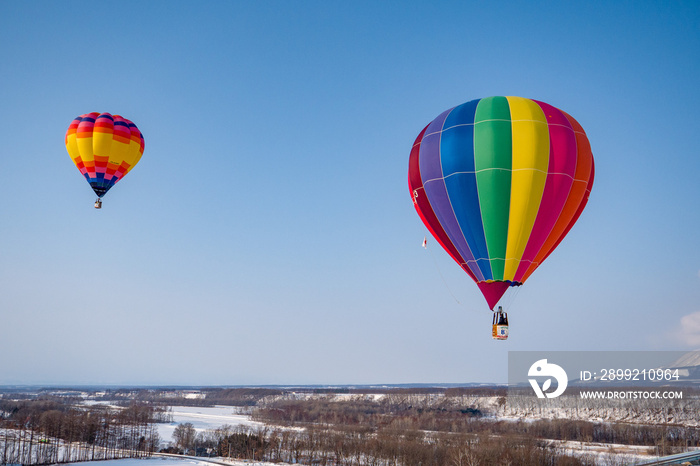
<point>184,436</point>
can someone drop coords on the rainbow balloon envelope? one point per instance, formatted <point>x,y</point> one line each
<point>499,182</point>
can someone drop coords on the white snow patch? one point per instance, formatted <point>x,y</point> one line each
<point>204,418</point>
<point>159,461</point>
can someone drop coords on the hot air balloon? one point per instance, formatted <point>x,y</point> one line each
<point>105,148</point>
<point>499,182</point>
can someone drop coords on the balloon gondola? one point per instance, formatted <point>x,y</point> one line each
<point>499,325</point>
<point>104,148</point>
<point>499,182</point>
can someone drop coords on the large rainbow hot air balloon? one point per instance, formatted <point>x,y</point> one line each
<point>499,182</point>
<point>105,148</point>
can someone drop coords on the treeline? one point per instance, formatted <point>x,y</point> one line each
<point>410,413</point>
<point>239,396</point>
<point>396,430</point>
<point>359,446</point>
<point>209,396</point>
<point>398,413</point>
<point>34,432</point>
<point>679,411</point>
<point>252,396</point>
<point>390,411</point>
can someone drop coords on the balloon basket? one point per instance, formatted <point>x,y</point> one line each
<point>499,328</point>
<point>499,332</point>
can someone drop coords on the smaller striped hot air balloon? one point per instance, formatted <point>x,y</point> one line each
<point>105,148</point>
<point>499,182</point>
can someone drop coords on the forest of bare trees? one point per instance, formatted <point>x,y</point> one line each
<point>402,430</point>
<point>429,430</point>
<point>347,446</point>
<point>331,427</point>
<point>48,431</point>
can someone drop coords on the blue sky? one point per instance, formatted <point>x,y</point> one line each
<point>268,237</point>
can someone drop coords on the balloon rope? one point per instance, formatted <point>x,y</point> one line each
<point>510,298</point>
<point>470,309</point>
<point>425,245</point>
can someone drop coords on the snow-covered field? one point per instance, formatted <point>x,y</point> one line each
<point>203,418</point>
<point>164,461</point>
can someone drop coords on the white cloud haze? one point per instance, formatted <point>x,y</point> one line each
<point>690,329</point>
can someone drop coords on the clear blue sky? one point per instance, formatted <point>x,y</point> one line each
<point>268,237</point>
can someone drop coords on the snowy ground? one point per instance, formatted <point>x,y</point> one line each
<point>156,461</point>
<point>204,418</point>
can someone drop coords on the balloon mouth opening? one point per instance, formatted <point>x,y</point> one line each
<point>507,282</point>
<point>99,190</point>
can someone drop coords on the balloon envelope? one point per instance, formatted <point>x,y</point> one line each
<point>104,148</point>
<point>499,182</point>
